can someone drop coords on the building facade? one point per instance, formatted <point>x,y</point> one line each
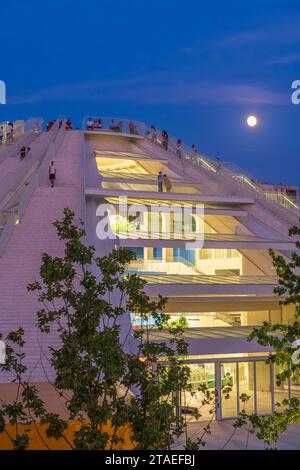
<point>200,232</point>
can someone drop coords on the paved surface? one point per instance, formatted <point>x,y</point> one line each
<point>34,235</point>
<point>222,437</point>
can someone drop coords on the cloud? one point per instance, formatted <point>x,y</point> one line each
<point>286,59</point>
<point>277,34</point>
<point>157,89</point>
<point>69,91</point>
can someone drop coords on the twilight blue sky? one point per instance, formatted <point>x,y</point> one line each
<point>195,68</point>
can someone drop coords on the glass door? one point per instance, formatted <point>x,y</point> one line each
<point>263,388</point>
<point>246,387</point>
<point>229,402</point>
<point>281,389</point>
<point>200,374</point>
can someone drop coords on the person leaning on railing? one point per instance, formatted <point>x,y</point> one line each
<point>194,151</point>
<point>165,139</point>
<point>89,124</point>
<point>132,128</point>
<point>97,123</point>
<point>179,148</point>
<point>153,134</point>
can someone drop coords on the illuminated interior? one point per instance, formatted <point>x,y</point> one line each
<point>144,170</point>
<point>186,262</point>
<point>219,291</point>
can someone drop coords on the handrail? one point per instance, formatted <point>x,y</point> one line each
<point>15,179</point>
<point>5,236</point>
<point>18,129</point>
<point>34,124</point>
<point>245,183</point>
<point>12,151</point>
<point>60,131</point>
<point>56,135</point>
<point>37,177</point>
<point>21,127</point>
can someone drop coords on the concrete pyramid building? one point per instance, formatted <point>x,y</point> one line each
<point>213,265</point>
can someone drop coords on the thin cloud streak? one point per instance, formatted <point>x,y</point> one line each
<point>155,90</point>
<point>279,34</point>
<point>286,59</point>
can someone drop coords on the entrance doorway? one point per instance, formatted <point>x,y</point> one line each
<point>196,399</point>
<point>252,383</point>
<point>251,388</point>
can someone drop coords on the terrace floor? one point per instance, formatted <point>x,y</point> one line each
<point>241,440</point>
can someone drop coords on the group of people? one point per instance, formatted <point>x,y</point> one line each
<point>164,137</point>
<point>94,124</point>
<point>163,180</point>
<point>69,124</point>
<point>24,151</point>
<point>9,130</point>
<point>115,126</point>
<point>164,141</point>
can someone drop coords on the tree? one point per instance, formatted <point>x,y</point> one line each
<point>78,295</point>
<point>281,338</point>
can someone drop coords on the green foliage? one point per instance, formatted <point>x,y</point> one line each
<point>280,338</point>
<point>85,298</point>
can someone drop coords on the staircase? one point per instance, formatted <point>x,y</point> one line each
<point>20,262</point>
<point>225,317</point>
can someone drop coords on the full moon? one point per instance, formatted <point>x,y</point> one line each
<point>252,121</point>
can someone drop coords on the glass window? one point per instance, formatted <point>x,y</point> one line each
<point>139,251</point>
<point>200,374</point>
<point>295,387</point>
<point>263,388</point>
<point>157,253</point>
<point>281,389</point>
<point>228,379</point>
<point>246,386</point>
<point>187,255</point>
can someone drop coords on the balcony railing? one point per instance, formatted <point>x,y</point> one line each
<point>225,170</point>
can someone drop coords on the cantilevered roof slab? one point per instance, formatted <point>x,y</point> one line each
<point>209,241</point>
<point>170,198</point>
<point>214,341</point>
<point>223,304</point>
<point>173,285</point>
<point>203,333</point>
<point>126,155</point>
